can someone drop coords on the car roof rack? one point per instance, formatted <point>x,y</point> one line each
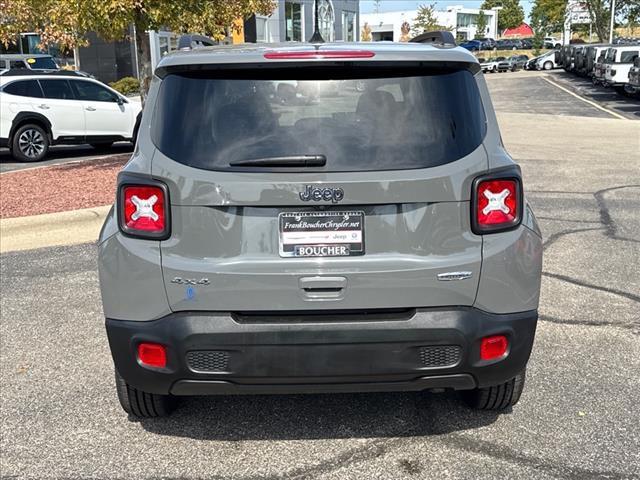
<point>191,41</point>
<point>25,72</point>
<point>437,37</point>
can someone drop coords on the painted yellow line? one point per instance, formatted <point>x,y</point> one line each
<point>593,104</point>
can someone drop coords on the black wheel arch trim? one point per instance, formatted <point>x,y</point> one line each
<point>25,117</point>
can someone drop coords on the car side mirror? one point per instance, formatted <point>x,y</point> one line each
<point>120,101</point>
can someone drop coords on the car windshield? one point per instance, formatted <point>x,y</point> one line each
<point>45,63</point>
<point>382,122</point>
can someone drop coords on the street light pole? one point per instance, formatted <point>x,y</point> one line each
<point>613,20</point>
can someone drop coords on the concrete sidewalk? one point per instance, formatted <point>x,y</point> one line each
<point>52,229</point>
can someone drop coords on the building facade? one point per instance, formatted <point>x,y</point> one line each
<point>460,20</point>
<point>293,21</point>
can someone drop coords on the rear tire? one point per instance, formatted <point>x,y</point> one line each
<point>498,397</point>
<point>142,404</point>
<point>548,65</point>
<point>30,143</point>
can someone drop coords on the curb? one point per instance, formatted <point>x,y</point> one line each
<point>52,229</point>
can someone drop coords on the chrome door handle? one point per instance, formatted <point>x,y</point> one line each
<point>43,106</point>
<point>90,109</point>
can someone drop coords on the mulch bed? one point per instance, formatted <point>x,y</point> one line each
<point>59,188</point>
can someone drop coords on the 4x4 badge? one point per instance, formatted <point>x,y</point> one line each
<point>318,194</point>
<point>190,281</point>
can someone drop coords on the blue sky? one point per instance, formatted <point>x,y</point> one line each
<point>366,6</point>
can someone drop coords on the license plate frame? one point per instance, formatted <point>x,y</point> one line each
<point>307,234</point>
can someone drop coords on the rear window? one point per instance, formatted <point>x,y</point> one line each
<point>45,63</point>
<point>24,88</point>
<point>398,120</point>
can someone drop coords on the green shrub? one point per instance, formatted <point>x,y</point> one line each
<point>126,86</point>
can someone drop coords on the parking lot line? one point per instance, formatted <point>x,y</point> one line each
<point>610,112</point>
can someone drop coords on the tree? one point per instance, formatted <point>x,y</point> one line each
<point>548,16</point>
<point>65,22</point>
<point>511,15</point>
<point>426,20</point>
<point>481,25</point>
<point>600,14</point>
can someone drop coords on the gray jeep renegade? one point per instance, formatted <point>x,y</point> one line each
<point>319,218</point>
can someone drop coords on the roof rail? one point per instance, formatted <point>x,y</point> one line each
<point>189,42</point>
<point>438,37</point>
<point>25,72</point>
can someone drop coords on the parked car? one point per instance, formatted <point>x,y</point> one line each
<point>509,44</point>
<point>527,43</point>
<point>517,62</point>
<point>472,45</point>
<point>569,58</point>
<point>546,61</point>
<point>24,72</point>
<point>600,66</point>
<point>491,65</point>
<point>38,110</point>
<point>487,43</point>
<point>634,74</point>
<point>565,57</point>
<point>619,61</point>
<point>591,54</point>
<point>580,60</point>
<point>531,63</point>
<point>15,61</point>
<point>258,248</point>
<point>552,42</point>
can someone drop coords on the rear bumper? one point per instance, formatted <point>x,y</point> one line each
<point>401,351</point>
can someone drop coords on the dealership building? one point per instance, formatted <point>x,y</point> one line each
<point>462,22</point>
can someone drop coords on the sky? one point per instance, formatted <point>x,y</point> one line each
<point>367,6</point>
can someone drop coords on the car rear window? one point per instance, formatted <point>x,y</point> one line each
<point>390,120</point>
<point>24,88</point>
<point>45,63</point>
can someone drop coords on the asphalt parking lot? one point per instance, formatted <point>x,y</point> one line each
<point>578,417</point>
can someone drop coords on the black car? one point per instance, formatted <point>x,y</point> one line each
<point>487,43</point>
<point>527,43</point>
<point>509,44</point>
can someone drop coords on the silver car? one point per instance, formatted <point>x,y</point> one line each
<point>375,240</point>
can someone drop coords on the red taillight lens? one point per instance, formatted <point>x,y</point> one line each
<point>493,347</point>
<point>497,205</point>
<point>317,54</point>
<point>152,355</point>
<point>143,211</point>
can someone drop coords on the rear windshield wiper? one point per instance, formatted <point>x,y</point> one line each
<point>288,161</point>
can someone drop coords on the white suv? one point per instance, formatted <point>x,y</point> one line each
<point>39,109</point>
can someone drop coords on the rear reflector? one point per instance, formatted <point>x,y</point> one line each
<point>318,54</point>
<point>152,355</point>
<point>492,348</point>
<point>143,211</point>
<point>497,205</point>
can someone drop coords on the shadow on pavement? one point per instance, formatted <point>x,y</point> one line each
<point>311,417</point>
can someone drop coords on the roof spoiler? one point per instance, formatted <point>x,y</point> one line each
<point>438,37</point>
<point>190,42</point>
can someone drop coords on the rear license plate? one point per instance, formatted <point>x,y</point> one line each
<point>321,234</point>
